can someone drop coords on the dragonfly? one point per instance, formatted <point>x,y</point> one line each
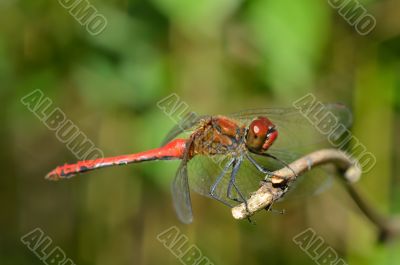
<point>224,157</point>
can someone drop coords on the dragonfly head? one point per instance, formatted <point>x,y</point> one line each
<point>261,134</point>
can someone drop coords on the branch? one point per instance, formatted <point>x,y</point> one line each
<point>276,188</point>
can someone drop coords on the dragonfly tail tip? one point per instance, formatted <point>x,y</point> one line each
<point>52,176</point>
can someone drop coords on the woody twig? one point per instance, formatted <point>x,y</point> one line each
<point>349,171</point>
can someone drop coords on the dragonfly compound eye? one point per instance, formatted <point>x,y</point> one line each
<point>261,134</point>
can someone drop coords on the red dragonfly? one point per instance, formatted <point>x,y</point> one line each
<point>223,157</point>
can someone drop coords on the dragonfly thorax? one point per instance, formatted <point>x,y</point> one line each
<point>217,135</point>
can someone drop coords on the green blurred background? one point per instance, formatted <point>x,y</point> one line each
<point>219,56</point>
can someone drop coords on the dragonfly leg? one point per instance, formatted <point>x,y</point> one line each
<point>258,166</point>
<point>272,210</point>
<point>219,178</point>
<point>280,161</point>
<point>277,159</point>
<point>242,198</point>
<point>263,169</point>
<point>232,183</point>
<point>236,166</point>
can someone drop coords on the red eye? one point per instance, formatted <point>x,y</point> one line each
<point>261,126</point>
<point>261,134</point>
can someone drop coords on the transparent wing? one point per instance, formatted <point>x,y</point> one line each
<point>181,194</point>
<point>203,172</point>
<point>186,125</point>
<point>297,131</point>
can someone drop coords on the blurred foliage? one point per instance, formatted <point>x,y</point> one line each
<point>218,56</point>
